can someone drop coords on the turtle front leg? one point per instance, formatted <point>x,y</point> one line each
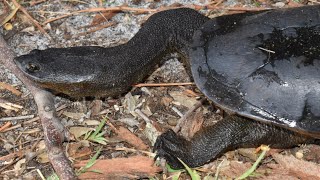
<point>228,134</point>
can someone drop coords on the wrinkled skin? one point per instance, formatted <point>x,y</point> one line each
<point>97,71</point>
<point>228,134</point>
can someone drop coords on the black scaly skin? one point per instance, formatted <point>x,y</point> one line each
<point>98,71</point>
<point>228,134</point>
<point>92,71</point>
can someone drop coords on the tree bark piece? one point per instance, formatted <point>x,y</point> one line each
<point>134,167</point>
<point>54,131</point>
<point>299,168</point>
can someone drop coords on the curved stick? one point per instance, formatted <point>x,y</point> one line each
<point>54,131</point>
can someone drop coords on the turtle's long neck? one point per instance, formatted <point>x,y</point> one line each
<point>96,71</point>
<point>171,27</point>
<point>163,32</point>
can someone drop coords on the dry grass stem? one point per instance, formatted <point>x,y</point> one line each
<point>5,126</point>
<point>162,84</point>
<point>10,88</point>
<point>97,28</point>
<point>16,118</point>
<point>183,119</point>
<point>30,18</point>
<point>100,9</point>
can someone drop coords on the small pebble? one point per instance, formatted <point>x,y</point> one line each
<point>116,107</point>
<point>172,121</point>
<point>8,26</point>
<point>279,4</point>
<point>7,146</point>
<point>299,154</point>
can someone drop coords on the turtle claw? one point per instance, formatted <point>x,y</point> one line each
<point>170,146</point>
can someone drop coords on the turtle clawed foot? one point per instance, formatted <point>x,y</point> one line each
<point>170,146</point>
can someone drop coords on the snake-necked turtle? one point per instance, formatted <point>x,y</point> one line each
<point>263,67</point>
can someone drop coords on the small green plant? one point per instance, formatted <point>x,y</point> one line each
<point>193,173</point>
<point>96,135</point>
<point>90,163</point>
<point>250,171</point>
<point>176,172</point>
<point>170,170</point>
<point>208,177</point>
<point>53,176</point>
<point>256,3</point>
<point>195,176</point>
<point>176,175</point>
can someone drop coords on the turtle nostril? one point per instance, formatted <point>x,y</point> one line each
<point>32,67</point>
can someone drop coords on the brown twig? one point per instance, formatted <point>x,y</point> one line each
<point>183,119</point>
<point>143,116</point>
<point>96,29</point>
<point>21,8</point>
<point>5,126</point>
<point>32,3</point>
<point>20,124</point>
<point>211,7</point>
<point>162,84</point>
<point>218,3</point>
<point>16,118</point>
<point>54,132</point>
<point>10,156</point>
<point>113,128</point>
<point>135,150</point>
<point>20,154</point>
<point>143,10</point>
<point>100,9</point>
<point>10,106</point>
<point>11,163</point>
<point>8,13</point>
<point>314,1</point>
<point>10,88</point>
<point>12,127</point>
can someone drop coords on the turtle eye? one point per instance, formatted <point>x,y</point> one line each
<point>31,67</point>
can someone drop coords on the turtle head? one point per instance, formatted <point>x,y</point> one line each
<point>58,65</point>
<point>33,65</point>
<point>61,70</point>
